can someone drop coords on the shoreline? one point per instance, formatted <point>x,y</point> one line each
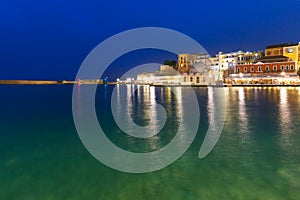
<point>46,82</point>
<point>88,82</point>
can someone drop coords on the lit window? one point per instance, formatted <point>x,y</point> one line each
<point>245,69</point>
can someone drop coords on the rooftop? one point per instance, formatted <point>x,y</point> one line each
<point>281,45</point>
<point>273,59</point>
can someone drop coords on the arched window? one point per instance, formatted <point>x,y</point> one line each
<point>198,79</point>
<point>191,79</point>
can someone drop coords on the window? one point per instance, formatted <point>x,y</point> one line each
<point>198,79</point>
<point>267,68</point>
<point>252,69</point>
<point>282,67</point>
<point>287,68</point>
<point>259,68</point>
<point>191,79</point>
<point>184,79</point>
<point>275,68</point>
<point>292,68</point>
<point>238,70</point>
<point>245,69</point>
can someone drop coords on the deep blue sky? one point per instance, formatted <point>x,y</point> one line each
<point>49,39</point>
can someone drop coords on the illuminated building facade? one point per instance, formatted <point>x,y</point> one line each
<point>280,64</point>
<point>186,61</point>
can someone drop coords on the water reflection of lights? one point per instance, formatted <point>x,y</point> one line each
<point>178,93</point>
<point>138,102</point>
<point>284,112</point>
<point>118,97</point>
<point>129,105</point>
<point>244,131</point>
<point>179,104</point>
<point>210,105</point>
<point>243,117</point>
<point>168,93</point>
<point>152,95</point>
<point>285,121</point>
<point>153,109</point>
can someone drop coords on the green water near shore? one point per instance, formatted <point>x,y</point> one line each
<point>257,156</point>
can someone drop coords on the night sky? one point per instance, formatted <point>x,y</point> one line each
<point>50,39</point>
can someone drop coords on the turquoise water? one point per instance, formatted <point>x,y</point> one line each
<point>257,156</point>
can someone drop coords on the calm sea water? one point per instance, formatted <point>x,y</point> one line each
<point>257,156</point>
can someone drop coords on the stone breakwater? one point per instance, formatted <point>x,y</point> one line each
<point>46,82</point>
<point>27,82</point>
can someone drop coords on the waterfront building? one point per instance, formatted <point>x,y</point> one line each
<point>249,57</point>
<point>278,65</point>
<point>276,49</point>
<point>282,53</point>
<point>196,69</point>
<point>196,78</point>
<point>267,68</point>
<point>268,73</point>
<point>165,75</point>
<point>215,67</point>
<point>186,61</point>
<point>291,51</point>
<point>223,64</point>
<point>271,59</point>
<point>227,61</point>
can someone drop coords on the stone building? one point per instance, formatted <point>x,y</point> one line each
<point>186,61</point>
